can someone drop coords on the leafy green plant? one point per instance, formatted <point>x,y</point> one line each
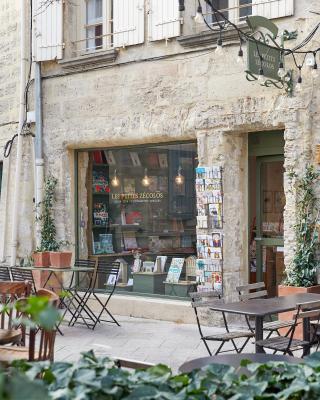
<point>302,271</point>
<point>48,228</point>
<point>93,378</point>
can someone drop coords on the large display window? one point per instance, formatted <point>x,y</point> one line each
<point>137,206</point>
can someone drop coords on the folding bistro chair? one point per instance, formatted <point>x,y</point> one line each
<point>23,274</point>
<point>207,299</point>
<point>246,293</point>
<point>78,289</point>
<point>106,273</point>
<point>287,344</point>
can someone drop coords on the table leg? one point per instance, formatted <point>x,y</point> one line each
<point>306,333</point>
<point>259,333</point>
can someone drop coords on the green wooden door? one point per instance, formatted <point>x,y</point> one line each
<point>270,202</point>
<point>266,205</point>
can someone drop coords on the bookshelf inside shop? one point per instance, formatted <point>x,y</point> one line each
<point>141,207</point>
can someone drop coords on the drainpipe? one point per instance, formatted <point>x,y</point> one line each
<point>17,184</point>
<point>39,162</point>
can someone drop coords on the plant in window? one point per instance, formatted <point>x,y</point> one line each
<point>303,269</point>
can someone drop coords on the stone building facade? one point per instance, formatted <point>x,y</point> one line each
<point>157,92</point>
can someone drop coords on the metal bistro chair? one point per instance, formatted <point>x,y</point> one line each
<point>78,289</point>
<point>207,299</point>
<point>107,273</point>
<point>260,292</point>
<point>287,344</point>
<point>20,274</point>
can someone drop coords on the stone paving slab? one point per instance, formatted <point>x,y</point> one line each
<point>140,339</point>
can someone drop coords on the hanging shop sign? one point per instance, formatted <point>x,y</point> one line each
<point>271,58</point>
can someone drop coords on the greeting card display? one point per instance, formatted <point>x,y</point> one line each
<point>210,225</point>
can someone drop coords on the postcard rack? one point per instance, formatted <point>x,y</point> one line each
<point>209,265</point>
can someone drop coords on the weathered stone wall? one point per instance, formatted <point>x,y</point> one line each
<point>9,115</point>
<point>182,97</point>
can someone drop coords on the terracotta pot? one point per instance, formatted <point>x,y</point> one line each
<point>287,291</point>
<point>60,259</point>
<point>41,259</point>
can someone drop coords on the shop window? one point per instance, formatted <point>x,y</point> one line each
<point>142,210</point>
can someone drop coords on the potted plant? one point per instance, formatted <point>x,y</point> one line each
<point>49,246</point>
<point>301,274</point>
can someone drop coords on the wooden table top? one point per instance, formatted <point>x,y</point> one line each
<point>264,307</point>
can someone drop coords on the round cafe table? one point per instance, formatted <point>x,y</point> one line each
<point>234,360</point>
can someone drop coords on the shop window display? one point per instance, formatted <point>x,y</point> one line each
<point>142,212</point>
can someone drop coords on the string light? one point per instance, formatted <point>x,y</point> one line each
<point>240,59</point>
<point>223,22</point>
<point>314,72</point>
<point>281,70</point>
<point>261,77</point>
<point>198,19</point>
<point>219,49</point>
<point>299,83</point>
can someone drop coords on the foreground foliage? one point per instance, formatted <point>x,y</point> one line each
<point>96,379</point>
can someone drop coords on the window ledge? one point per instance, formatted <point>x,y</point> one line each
<point>90,60</point>
<point>208,37</point>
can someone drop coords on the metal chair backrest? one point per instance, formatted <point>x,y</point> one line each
<point>108,273</point>
<point>205,300</point>
<point>246,293</point>
<point>5,274</point>
<point>310,309</point>
<point>23,274</point>
<point>84,263</point>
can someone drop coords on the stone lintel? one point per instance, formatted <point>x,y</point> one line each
<point>207,38</point>
<point>90,60</point>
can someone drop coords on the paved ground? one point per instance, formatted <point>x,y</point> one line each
<point>140,339</point>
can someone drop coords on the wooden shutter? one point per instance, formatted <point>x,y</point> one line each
<point>47,29</point>
<point>128,22</point>
<point>164,19</point>
<point>273,8</point>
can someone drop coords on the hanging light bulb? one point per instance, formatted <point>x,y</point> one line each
<point>299,84</point>
<point>240,59</point>
<point>219,49</point>
<point>281,70</point>
<point>261,77</point>
<point>115,182</point>
<point>179,179</point>
<point>145,180</point>
<point>315,71</point>
<point>198,19</point>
